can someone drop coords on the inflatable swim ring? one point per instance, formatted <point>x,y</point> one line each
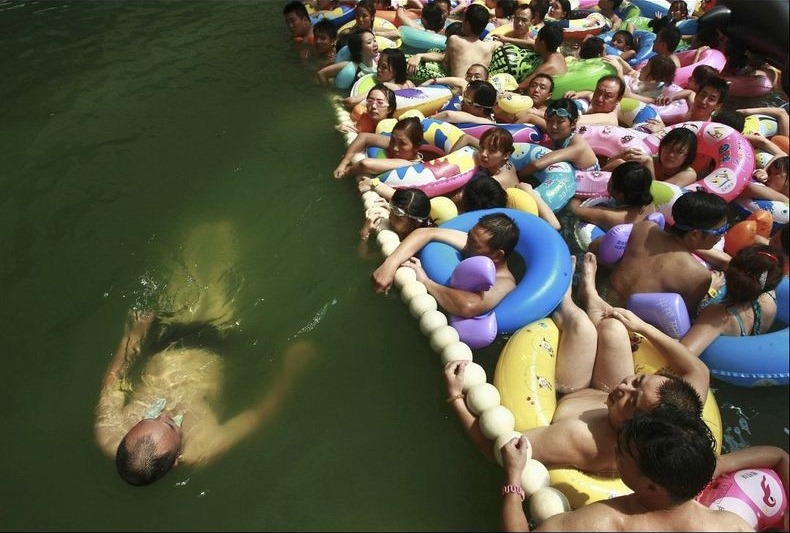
<point>644,46</point>
<point>582,75</point>
<point>522,133</point>
<point>557,181</point>
<point>756,360</point>
<point>732,154</point>
<point>526,380</point>
<point>422,40</point>
<point>711,57</point>
<point>514,60</point>
<point>547,267</point>
<point>475,274</point>
<point>338,16</point>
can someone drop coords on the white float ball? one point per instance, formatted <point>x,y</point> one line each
<point>359,156</point>
<point>442,336</point>
<point>474,374</point>
<point>481,397</point>
<point>388,247</point>
<point>372,195</point>
<point>456,351</point>
<point>547,502</point>
<point>368,203</point>
<point>386,235</point>
<point>421,304</point>
<point>431,320</point>
<point>404,275</point>
<point>503,439</point>
<point>412,289</point>
<point>496,421</point>
<point>534,477</point>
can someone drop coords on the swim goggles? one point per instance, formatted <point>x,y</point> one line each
<point>564,113</point>
<point>399,212</point>
<point>721,230</point>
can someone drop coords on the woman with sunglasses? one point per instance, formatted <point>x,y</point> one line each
<point>477,105</point>
<point>749,308</point>
<point>561,118</point>
<point>379,104</point>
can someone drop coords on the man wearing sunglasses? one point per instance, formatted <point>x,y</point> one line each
<point>657,260</point>
<point>494,236</point>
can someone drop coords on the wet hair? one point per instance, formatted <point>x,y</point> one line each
<point>616,3</point>
<point>662,68</point>
<point>483,192</point>
<point>522,7</point>
<point>479,65</point>
<point>477,17</point>
<point>566,7</point>
<point>367,5</point>
<point>432,17</point>
<point>498,139</point>
<point>784,238</point>
<point>414,202</point>
<point>140,465</point>
<point>568,105</point>
<point>684,138</point>
<point>446,2</point>
<point>507,7</point>
<point>412,127</point>
<point>672,448</point>
<point>484,94</point>
<point>389,94</point>
<point>701,73</point>
<point>503,231</point>
<point>615,78</point>
<point>396,60</point>
<point>551,35</point>
<point>683,7</point>
<point>592,47</point>
<point>454,28</point>
<point>547,77</point>
<point>355,43</point>
<point>633,180</point>
<point>539,8</point>
<point>753,271</point>
<point>325,27</point>
<point>730,117</point>
<point>627,37</point>
<point>698,210</point>
<point>718,84</point>
<point>679,393</point>
<point>296,7</point>
<point>670,36</point>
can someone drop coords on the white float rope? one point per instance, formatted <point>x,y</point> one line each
<point>497,422</point>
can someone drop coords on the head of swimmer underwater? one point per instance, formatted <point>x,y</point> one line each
<point>149,450</point>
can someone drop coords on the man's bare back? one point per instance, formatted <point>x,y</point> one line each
<point>657,261</point>
<point>463,52</point>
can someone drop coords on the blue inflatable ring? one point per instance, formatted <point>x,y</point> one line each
<point>547,261</point>
<point>557,181</point>
<point>757,360</point>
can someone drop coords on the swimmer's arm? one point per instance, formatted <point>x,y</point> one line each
<point>762,192</point>
<point>717,259</point>
<point>413,243</point>
<point>755,457</point>
<point>295,361</point>
<point>604,119</point>
<point>521,43</point>
<point>413,63</point>
<point>465,140</point>
<point>781,116</point>
<point>706,329</point>
<point>684,178</point>
<point>360,143</point>
<point>376,165</point>
<point>544,211</point>
<point>569,154</point>
<point>548,68</point>
<point>759,142</point>
<point>404,19</point>
<point>451,81</point>
<point>468,304</point>
<point>454,117</point>
<point>605,217</point>
<point>679,359</point>
<point>330,71</point>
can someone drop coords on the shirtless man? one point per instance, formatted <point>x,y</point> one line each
<point>604,101</point>
<point>168,413</point>
<point>494,236</point>
<point>462,50</point>
<point>666,457</point>
<point>710,97</point>
<point>595,373</point>
<point>548,40</point>
<point>668,255</point>
<point>519,35</point>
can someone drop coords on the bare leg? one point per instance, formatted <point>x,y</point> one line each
<point>576,350</point>
<point>597,307</point>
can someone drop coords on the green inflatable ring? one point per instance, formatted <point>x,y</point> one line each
<point>582,75</point>
<point>514,60</point>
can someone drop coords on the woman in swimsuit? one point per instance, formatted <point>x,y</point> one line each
<point>561,117</point>
<point>750,305</point>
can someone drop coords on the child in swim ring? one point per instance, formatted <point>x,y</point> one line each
<point>649,82</point>
<point>772,182</point>
<point>676,153</point>
<point>624,41</point>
